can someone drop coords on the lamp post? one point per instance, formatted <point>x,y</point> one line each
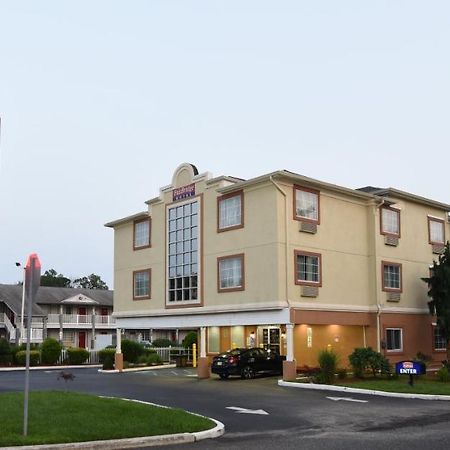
<point>22,311</point>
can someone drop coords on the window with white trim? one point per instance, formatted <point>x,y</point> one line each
<point>394,339</point>
<point>306,204</point>
<point>308,271</point>
<point>230,211</point>
<point>440,343</point>
<point>230,272</point>
<point>141,233</point>
<point>390,221</point>
<point>436,231</point>
<point>183,253</point>
<point>392,277</point>
<point>141,284</point>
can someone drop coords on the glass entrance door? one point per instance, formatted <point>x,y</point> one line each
<point>271,338</point>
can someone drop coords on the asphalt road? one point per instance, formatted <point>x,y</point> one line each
<point>295,418</point>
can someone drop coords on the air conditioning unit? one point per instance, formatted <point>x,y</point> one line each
<point>391,240</point>
<point>393,296</point>
<point>308,227</point>
<point>309,291</point>
<point>438,248</point>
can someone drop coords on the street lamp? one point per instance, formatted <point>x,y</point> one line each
<point>21,331</point>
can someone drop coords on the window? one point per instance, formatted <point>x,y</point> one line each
<point>230,211</point>
<point>392,276</point>
<point>141,237</point>
<point>394,339</point>
<point>183,253</point>
<point>390,221</point>
<point>435,231</point>
<point>306,205</point>
<point>230,273</point>
<point>439,341</point>
<point>308,269</point>
<point>213,339</point>
<point>141,284</point>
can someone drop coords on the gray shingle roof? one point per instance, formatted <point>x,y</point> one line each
<point>12,296</point>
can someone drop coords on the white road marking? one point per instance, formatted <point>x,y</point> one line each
<point>347,399</point>
<point>173,371</point>
<point>192,375</point>
<point>248,411</point>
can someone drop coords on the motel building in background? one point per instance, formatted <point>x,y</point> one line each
<point>281,261</point>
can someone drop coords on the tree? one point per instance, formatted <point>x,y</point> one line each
<point>92,281</point>
<point>52,278</point>
<point>439,291</point>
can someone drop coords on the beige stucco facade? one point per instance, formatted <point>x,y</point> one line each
<point>348,308</point>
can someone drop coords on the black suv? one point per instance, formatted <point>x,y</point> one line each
<point>247,362</point>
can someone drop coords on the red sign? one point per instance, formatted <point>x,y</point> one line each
<point>184,192</point>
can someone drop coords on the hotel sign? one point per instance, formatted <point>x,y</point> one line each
<point>410,368</point>
<point>184,192</point>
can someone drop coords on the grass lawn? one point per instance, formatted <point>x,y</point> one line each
<point>57,417</point>
<point>422,385</point>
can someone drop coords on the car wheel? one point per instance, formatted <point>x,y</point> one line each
<point>247,373</point>
<point>224,376</point>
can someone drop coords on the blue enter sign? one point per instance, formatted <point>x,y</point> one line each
<point>410,368</point>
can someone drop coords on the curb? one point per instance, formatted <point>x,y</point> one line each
<point>138,369</point>
<point>326,387</point>
<point>138,442</point>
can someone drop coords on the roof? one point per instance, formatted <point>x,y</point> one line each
<point>397,193</point>
<point>366,193</point>
<point>12,296</point>
<point>137,216</point>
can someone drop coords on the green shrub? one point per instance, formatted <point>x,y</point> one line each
<point>131,350</point>
<point>366,358</point>
<point>423,358</point>
<point>106,353</point>
<point>150,359</point>
<point>148,351</point>
<point>322,378</point>
<point>108,363</point>
<point>50,351</point>
<point>443,374</point>
<point>328,363</point>
<point>191,338</point>
<point>163,343</point>
<point>21,357</point>
<point>6,356</point>
<point>77,355</point>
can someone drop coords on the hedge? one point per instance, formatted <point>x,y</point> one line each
<point>76,355</point>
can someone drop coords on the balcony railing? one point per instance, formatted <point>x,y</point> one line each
<point>80,319</point>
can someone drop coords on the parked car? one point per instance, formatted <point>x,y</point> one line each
<point>247,362</point>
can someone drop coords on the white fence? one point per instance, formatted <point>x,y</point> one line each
<point>167,354</point>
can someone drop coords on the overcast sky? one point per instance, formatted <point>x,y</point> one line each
<point>101,100</point>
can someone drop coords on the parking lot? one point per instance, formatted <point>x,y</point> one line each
<point>258,414</point>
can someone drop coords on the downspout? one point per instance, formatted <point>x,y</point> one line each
<point>377,206</point>
<point>286,231</point>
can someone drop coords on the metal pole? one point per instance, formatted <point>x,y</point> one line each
<point>22,311</point>
<point>27,369</point>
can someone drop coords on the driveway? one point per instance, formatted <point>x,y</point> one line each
<point>258,414</point>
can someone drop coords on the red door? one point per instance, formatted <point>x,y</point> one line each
<point>82,339</point>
